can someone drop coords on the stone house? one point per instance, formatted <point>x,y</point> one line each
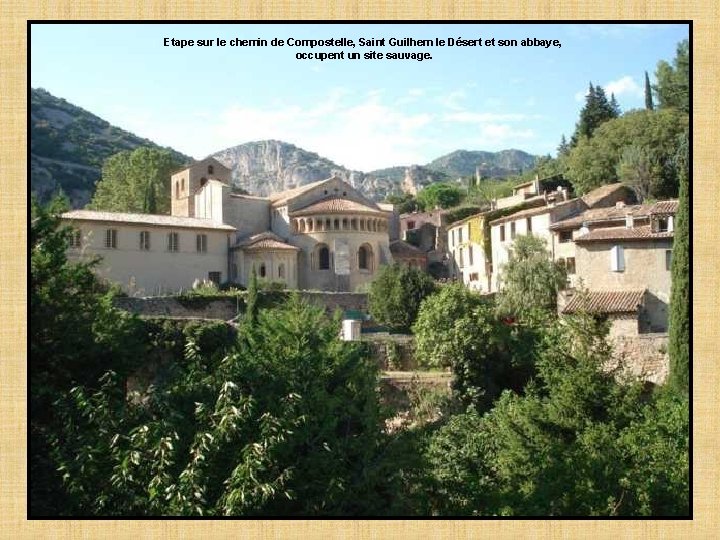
<point>632,258</point>
<point>324,236</point>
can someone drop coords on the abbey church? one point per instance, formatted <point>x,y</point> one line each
<point>321,236</point>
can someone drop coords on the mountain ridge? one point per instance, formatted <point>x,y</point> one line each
<point>69,144</point>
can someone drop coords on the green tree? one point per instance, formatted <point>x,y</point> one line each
<point>395,295</point>
<point>530,280</point>
<point>252,299</point>
<point>639,169</point>
<point>440,195</point>
<point>596,111</point>
<point>136,181</point>
<point>284,423</point>
<point>679,341</point>
<point>577,443</point>
<point>563,148</point>
<point>405,203</point>
<point>648,94</point>
<point>594,162</point>
<point>76,335</point>
<point>673,81</point>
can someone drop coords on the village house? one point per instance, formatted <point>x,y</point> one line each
<point>625,271</point>
<point>323,236</point>
<point>469,252</point>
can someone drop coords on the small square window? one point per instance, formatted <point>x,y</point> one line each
<point>75,238</point>
<point>565,236</point>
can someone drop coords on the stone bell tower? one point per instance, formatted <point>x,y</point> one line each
<point>186,182</point>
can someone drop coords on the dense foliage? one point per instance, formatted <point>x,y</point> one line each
<point>679,344</point>
<point>395,295</point>
<point>673,80</point>
<point>572,445</point>
<point>596,111</point>
<point>530,279</point>
<point>596,161</point>
<point>136,181</point>
<point>440,195</point>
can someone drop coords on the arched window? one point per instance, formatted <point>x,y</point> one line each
<point>203,181</point>
<point>336,224</point>
<point>365,257</point>
<point>177,190</point>
<point>263,270</point>
<point>281,271</point>
<point>210,169</point>
<point>182,185</point>
<point>323,257</point>
<point>345,224</point>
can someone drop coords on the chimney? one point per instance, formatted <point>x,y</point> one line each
<point>629,221</point>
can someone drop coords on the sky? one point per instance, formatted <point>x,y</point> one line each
<point>363,114</point>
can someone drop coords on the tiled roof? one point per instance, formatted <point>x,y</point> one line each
<point>623,233</point>
<point>265,241</point>
<point>284,196</point>
<point>605,302</point>
<point>146,219</point>
<point>336,205</point>
<point>612,213</point>
<point>665,207</point>
<point>598,194</point>
<point>194,163</point>
<point>401,248</point>
<point>531,212</point>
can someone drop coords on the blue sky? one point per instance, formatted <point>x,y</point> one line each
<point>362,114</point>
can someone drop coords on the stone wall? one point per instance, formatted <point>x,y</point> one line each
<point>643,356</point>
<point>393,352</point>
<point>226,307</point>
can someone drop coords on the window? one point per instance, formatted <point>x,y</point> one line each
<point>512,231</point>
<point>144,240</point>
<point>470,256</point>
<point>75,238</point>
<point>234,271</point>
<point>111,238</point>
<point>210,169</point>
<point>263,270</point>
<point>214,276</point>
<point>570,265</point>
<point>502,232</point>
<point>617,259</point>
<point>182,185</point>
<point>461,263</point>
<point>565,236</point>
<point>668,259</point>
<point>336,224</point>
<point>528,224</point>
<point>365,257</point>
<point>177,189</point>
<point>410,225</point>
<point>281,271</point>
<point>323,254</point>
<point>474,276</point>
<point>663,224</point>
<point>173,242</point>
<point>201,243</point>
<point>460,235</point>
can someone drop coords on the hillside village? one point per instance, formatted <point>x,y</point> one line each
<point>433,344</point>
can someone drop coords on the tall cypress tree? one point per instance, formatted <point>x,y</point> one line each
<point>679,345</point>
<point>648,94</point>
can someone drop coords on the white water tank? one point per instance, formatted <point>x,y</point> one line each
<point>351,330</point>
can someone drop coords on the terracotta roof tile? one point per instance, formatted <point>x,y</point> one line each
<point>145,219</point>
<point>597,195</point>
<point>284,196</point>
<point>623,233</point>
<point>605,302</point>
<point>612,213</point>
<point>265,241</point>
<point>531,212</point>
<point>336,205</point>
<point>665,207</point>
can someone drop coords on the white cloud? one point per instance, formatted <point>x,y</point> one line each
<point>624,86</point>
<point>451,100</point>
<point>473,117</point>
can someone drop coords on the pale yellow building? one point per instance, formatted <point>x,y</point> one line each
<point>325,236</point>
<point>468,252</point>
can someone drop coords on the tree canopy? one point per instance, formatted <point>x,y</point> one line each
<point>673,80</point>
<point>595,162</point>
<point>136,181</point>
<point>530,280</point>
<point>596,111</point>
<point>440,195</point>
<point>396,293</point>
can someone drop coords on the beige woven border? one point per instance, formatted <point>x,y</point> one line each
<point>13,246</point>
